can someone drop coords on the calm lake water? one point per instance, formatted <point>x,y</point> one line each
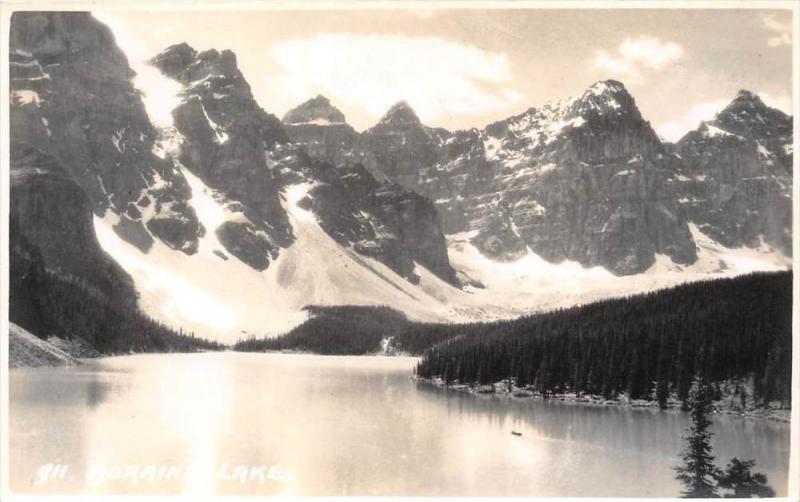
<point>318,425</point>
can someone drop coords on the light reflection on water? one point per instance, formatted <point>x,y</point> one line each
<point>343,426</point>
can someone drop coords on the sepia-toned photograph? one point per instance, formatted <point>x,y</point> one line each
<point>406,249</point>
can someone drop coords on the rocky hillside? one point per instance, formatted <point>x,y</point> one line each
<point>586,179</point>
<point>26,350</point>
<point>51,215</point>
<point>381,220</point>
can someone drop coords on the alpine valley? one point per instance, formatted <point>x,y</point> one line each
<point>163,189</point>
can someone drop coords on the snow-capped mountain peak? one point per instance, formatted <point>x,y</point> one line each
<point>603,98</point>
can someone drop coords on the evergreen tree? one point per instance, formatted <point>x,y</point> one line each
<point>728,330</point>
<point>698,471</point>
<point>663,372</point>
<point>745,484</point>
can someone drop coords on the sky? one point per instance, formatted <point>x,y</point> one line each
<point>463,68</point>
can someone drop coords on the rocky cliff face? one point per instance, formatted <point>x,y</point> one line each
<point>322,129</point>
<point>246,155</point>
<point>381,220</point>
<point>51,218</point>
<point>585,179</point>
<point>72,97</point>
<point>735,180</point>
<point>399,145</point>
<point>225,139</point>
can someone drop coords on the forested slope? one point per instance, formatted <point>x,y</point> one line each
<point>50,302</point>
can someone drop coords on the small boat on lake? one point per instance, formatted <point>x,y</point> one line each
<point>515,433</point>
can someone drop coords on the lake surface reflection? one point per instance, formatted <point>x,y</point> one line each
<point>322,425</point>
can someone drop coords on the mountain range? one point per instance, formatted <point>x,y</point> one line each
<point>226,220</point>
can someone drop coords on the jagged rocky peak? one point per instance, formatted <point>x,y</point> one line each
<point>316,111</point>
<point>601,123</point>
<point>595,152</point>
<point>228,141</point>
<point>745,100</point>
<point>747,115</point>
<point>400,113</point>
<point>747,118</point>
<point>174,59</point>
<point>735,180</point>
<point>321,128</point>
<point>603,98</point>
<point>185,64</point>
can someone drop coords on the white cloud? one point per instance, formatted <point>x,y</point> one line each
<point>781,31</point>
<point>673,131</point>
<point>371,72</point>
<point>635,54</point>
<point>782,102</point>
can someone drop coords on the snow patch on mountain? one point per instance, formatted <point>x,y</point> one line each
<point>315,270</point>
<point>714,258</point>
<point>209,293</point>
<point>532,284</point>
<point>26,97</point>
<point>226,300</point>
<point>220,133</point>
<point>160,94</point>
<point>220,297</point>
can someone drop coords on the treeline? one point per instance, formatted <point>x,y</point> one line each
<point>343,330</point>
<point>45,303</point>
<point>354,330</point>
<point>647,346</point>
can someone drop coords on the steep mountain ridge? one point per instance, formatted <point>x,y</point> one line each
<point>72,97</point>
<point>243,153</point>
<point>224,135</point>
<point>583,179</point>
<point>735,180</point>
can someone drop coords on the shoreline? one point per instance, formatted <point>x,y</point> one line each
<point>501,389</point>
<point>83,359</point>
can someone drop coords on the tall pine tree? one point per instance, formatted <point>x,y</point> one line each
<point>698,472</point>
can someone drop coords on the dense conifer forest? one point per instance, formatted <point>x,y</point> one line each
<point>646,346</point>
<point>46,302</point>
<point>346,330</point>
